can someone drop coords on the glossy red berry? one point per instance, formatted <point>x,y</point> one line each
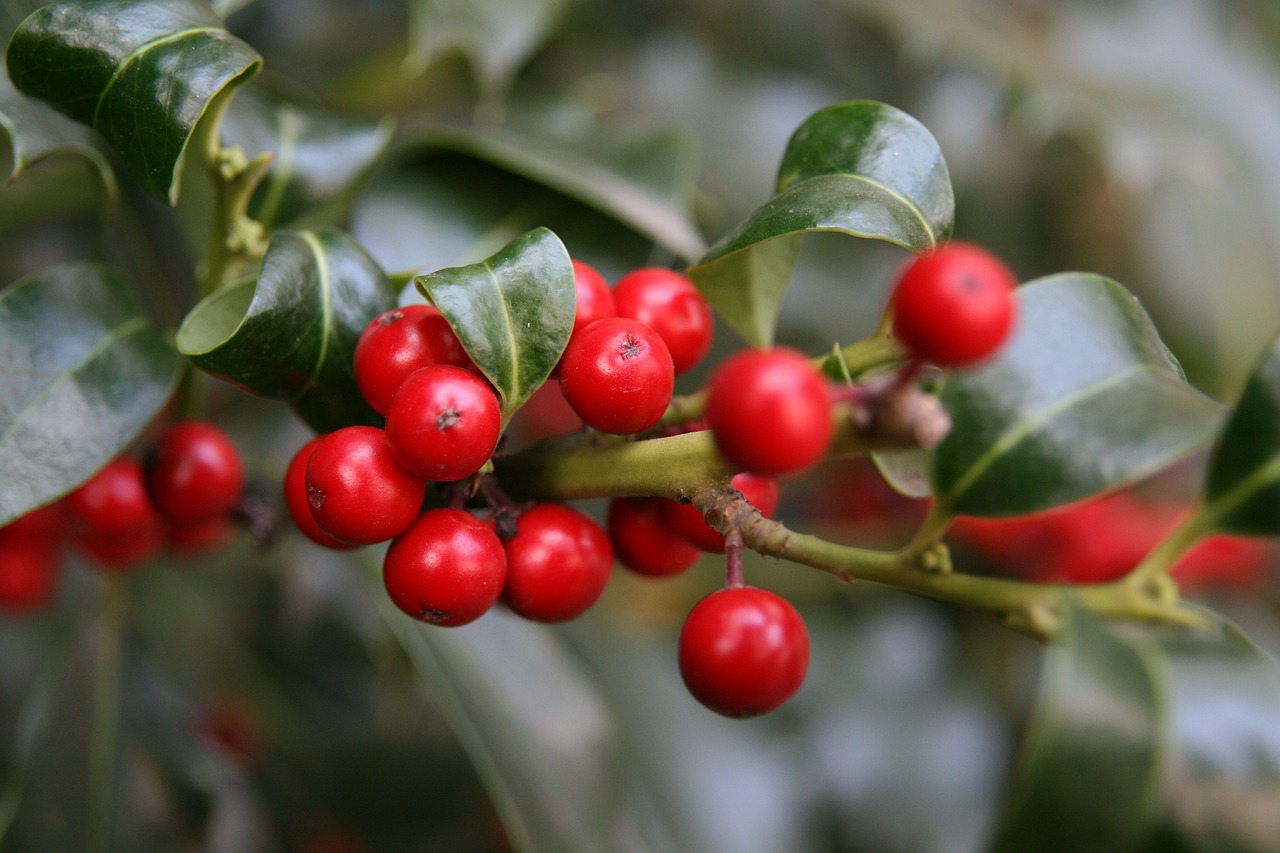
<point>112,519</point>
<point>686,520</point>
<point>398,342</point>
<point>594,298</point>
<point>558,563</point>
<point>667,302</point>
<point>444,422</point>
<point>617,375</point>
<point>30,559</point>
<point>447,569</point>
<point>743,651</point>
<point>954,306</point>
<point>194,473</point>
<point>299,504</point>
<point>644,541</point>
<point>357,490</point>
<point>769,411</point>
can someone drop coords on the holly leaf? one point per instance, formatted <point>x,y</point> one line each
<point>291,333</point>
<point>1176,728</point>
<point>861,168</point>
<point>319,156</point>
<point>1243,485</point>
<point>497,38</point>
<point>142,73</point>
<point>1085,397</point>
<point>82,373</point>
<point>513,312</point>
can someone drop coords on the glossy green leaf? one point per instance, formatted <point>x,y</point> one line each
<point>513,312</point>
<point>1084,398</point>
<point>1149,739</point>
<point>140,72</point>
<point>291,334</point>
<point>861,168</point>
<point>497,37</point>
<point>319,156</point>
<point>1090,758</point>
<point>36,131</point>
<point>82,373</point>
<point>615,176</point>
<point>1243,485</point>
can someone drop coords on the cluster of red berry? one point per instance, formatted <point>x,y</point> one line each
<point>182,494</point>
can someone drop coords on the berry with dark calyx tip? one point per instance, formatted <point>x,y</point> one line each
<point>668,303</point>
<point>558,563</point>
<point>444,423</point>
<point>954,306</point>
<point>357,490</point>
<point>194,473</point>
<point>30,559</point>
<point>769,411</point>
<point>447,569</point>
<point>617,375</point>
<point>685,519</point>
<point>298,503</point>
<point>644,541</point>
<point>398,342</point>
<point>743,651</point>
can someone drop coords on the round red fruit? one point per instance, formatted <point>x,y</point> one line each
<point>668,303</point>
<point>743,651</point>
<point>30,559</point>
<point>398,342</point>
<point>113,502</point>
<point>357,490</point>
<point>447,569</point>
<point>686,520</point>
<point>595,299</point>
<point>194,473</point>
<point>444,422</point>
<point>617,375</point>
<point>298,503</point>
<point>769,411</point>
<point>644,541</point>
<point>954,306</point>
<point>558,563</point>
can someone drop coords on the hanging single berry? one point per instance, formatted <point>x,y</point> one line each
<point>558,563</point>
<point>447,569</point>
<point>357,490</point>
<point>769,411</point>
<point>444,423</point>
<point>617,375</point>
<point>743,651</point>
<point>667,302</point>
<point>112,519</point>
<point>194,473</point>
<point>299,505</point>
<point>954,306</point>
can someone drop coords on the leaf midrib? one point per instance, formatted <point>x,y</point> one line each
<point>138,53</point>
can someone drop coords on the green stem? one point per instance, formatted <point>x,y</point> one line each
<point>104,735</point>
<point>1155,566</point>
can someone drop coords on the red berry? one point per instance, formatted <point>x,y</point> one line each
<point>617,375</point>
<point>298,502</point>
<point>667,302</point>
<point>760,492</point>
<point>643,539</point>
<point>112,518</point>
<point>356,489</point>
<point>398,342</point>
<point>595,299</point>
<point>448,568</point>
<point>30,559</point>
<point>443,424</point>
<point>201,536</point>
<point>558,563</point>
<point>194,473</point>
<point>954,306</point>
<point>769,411</point>
<point>743,651</point>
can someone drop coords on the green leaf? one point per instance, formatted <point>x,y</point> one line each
<point>1084,398</point>
<point>82,373</point>
<point>319,156</point>
<point>861,168</point>
<point>142,73</point>
<point>1090,758</point>
<point>497,36</point>
<point>1243,484</point>
<point>513,312</point>
<point>291,334</point>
